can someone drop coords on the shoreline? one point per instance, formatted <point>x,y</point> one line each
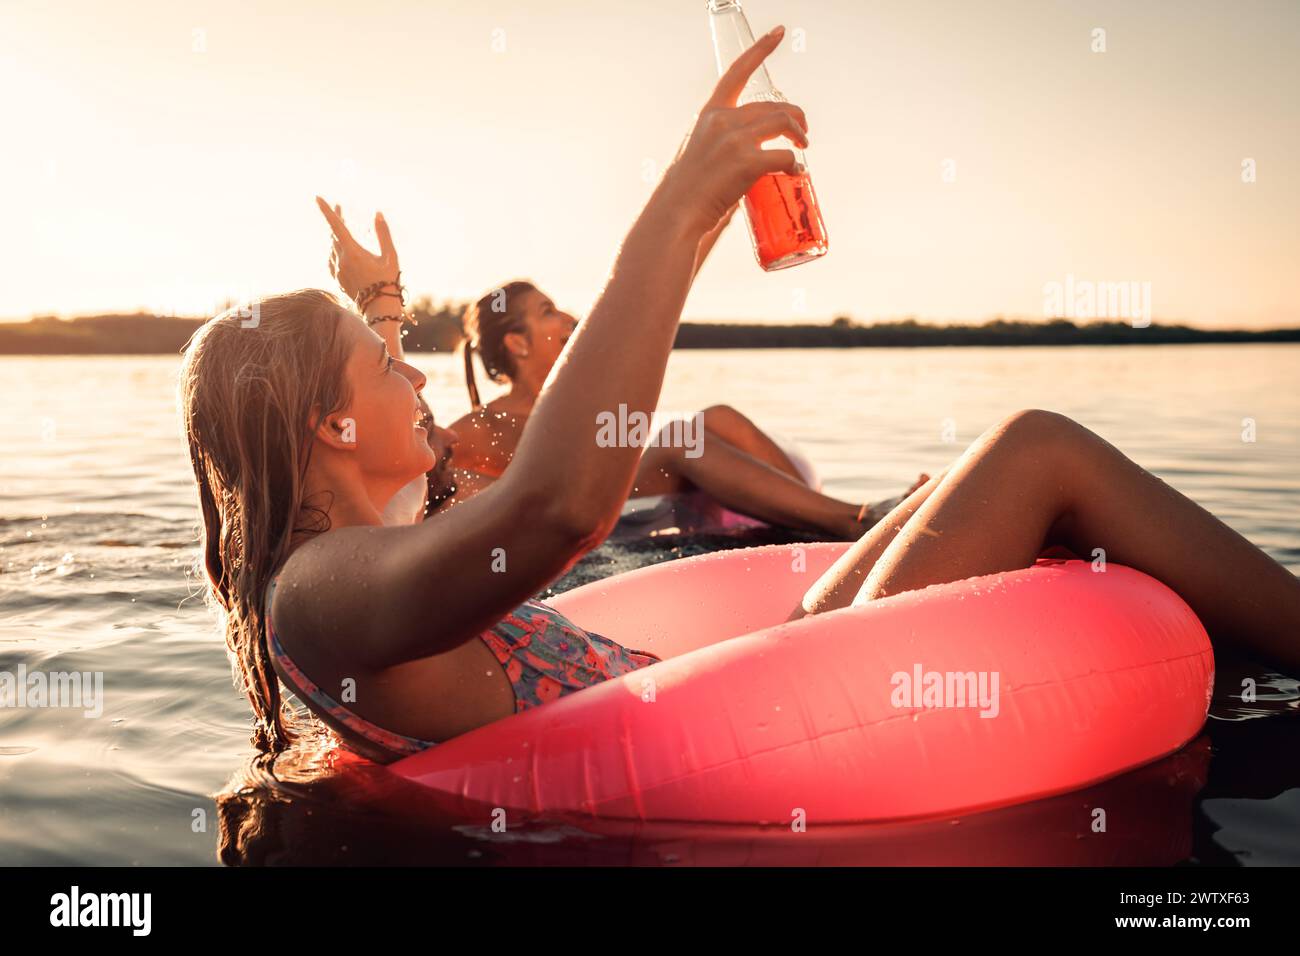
<point>439,332</point>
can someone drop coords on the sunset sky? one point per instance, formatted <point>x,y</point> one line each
<point>164,155</point>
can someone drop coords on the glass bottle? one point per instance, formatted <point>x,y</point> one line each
<point>785,222</point>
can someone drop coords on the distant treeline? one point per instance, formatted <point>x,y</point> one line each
<point>142,334</point>
<point>439,330</point>
<point>844,333</point>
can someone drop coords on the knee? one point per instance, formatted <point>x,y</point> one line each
<point>663,457</point>
<point>722,418</point>
<point>1039,429</point>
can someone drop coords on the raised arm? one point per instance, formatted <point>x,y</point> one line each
<point>709,239</point>
<point>430,587</point>
<point>618,355</point>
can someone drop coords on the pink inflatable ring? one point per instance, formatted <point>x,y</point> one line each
<point>954,699</point>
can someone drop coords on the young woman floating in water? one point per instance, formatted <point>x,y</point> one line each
<point>519,334</point>
<point>302,427</point>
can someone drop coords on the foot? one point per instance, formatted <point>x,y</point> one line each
<point>919,482</point>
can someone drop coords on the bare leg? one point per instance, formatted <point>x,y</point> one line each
<point>1038,478</point>
<point>840,583</point>
<point>747,485</point>
<point>738,431</point>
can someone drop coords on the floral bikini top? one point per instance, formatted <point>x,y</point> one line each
<point>545,656</point>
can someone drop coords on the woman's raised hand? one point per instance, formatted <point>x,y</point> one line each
<point>723,155</point>
<point>355,267</point>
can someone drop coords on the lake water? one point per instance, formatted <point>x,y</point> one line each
<point>98,535</point>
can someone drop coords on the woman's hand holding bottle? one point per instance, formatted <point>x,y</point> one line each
<point>723,156</point>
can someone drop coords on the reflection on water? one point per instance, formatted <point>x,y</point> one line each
<point>97,532</point>
<point>353,812</point>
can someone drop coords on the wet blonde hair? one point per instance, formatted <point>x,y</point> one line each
<point>251,380</point>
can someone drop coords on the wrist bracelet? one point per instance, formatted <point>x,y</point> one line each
<point>401,317</point>
<point>370,299</point>
<point>373,291</point>
<point>367,300</point>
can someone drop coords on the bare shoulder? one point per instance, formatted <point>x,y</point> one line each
<point>481,429</point>
<point>487,439</point>
<point>469,422</point>
<point>467,484</point>
<point>326,598</point>
<point>492,417</point>
<point>504,421</point>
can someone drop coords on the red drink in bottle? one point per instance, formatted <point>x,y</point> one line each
<point>785,222</point>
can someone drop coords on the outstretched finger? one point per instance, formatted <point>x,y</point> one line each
<point>335,218</point>
<point>731,83</point>
<point>386,248</point>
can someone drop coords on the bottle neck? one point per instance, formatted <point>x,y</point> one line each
<point>732,37</point>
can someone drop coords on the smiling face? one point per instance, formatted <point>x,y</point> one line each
<point>545,331</point>
<point>381,425</point>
